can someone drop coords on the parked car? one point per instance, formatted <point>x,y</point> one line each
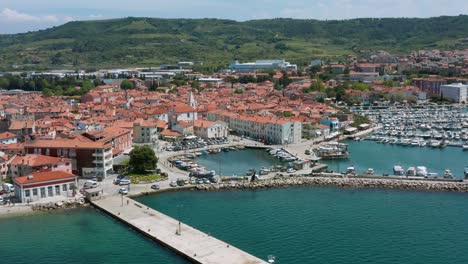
<point>205,180</point>
<point>116,181</point>
<point>1,200</point>
<point>123,190</point>
<point>193,181</point>
<point>90,184</point>
<point>180,182</point>
<point>173,184</point>
<point>155,187</point>
<point>199,181</point>
<point>124,182</point>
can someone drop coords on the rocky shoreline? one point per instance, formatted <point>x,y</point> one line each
<point>401,184</point>
<point>67,204</point>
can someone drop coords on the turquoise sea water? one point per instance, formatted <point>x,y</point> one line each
<point>238,162</point>
<point>382,158</point>
<point>364,155</point>
<point>76,236</point>
<point>330,225</point>
<point>297,225</point>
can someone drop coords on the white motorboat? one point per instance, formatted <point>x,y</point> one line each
<point>370,171</point>
<point>448,174</point>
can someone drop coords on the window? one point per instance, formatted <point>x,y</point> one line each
<point>34,192</point>
<point>43,193</point>
<point>55,166</point>
<point>57,189</point>
<point>27,193</point>
<point>64,187</point>
<point>50,191</point>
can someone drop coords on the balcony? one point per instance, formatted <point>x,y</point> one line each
<point>98,154</point>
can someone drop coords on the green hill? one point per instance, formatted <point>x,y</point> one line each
<point>152,41</point>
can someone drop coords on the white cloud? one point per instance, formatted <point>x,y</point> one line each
<point>14,16</point>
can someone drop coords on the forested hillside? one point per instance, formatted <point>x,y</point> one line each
<point>152,41</point>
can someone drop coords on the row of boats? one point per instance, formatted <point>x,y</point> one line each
<point>282,154</point>
<point>415,142</point>
<point>399,170</point>
<point>218,150</point>
<point>195,169</point>
<point>433,127</point>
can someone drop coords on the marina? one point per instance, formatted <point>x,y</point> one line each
<point>383,158</point>
<point>420,127</point>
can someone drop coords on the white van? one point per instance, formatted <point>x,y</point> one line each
<point>8,187</point>
<point>90,184</point>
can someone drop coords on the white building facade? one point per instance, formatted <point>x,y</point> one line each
<point>269,129</point>
<point>456,92</point>
<point>44,185</point>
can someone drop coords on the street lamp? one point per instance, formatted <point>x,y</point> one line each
<point>179,225</point>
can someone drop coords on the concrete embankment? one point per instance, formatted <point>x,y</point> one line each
<point>196,246</point>
<point>350,182</point>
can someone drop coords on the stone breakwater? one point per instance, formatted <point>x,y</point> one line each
<point>59,205</point>
<point>342,182</point>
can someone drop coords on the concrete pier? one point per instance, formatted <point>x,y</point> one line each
<point>195,245</point>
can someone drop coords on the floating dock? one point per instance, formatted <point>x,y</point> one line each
<point>196,246</point>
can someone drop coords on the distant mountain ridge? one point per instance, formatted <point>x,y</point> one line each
<point>152,41</point>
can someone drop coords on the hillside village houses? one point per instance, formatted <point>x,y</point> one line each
<point>41,134</point>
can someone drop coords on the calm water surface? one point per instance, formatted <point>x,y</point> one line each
<point>364,155</point>
<point>330,225</point>
<point>382,158</point>
<point>76,236</point>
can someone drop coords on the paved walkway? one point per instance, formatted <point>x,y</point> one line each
<point>194,244</point>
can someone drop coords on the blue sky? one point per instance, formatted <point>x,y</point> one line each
<point>28,15</point>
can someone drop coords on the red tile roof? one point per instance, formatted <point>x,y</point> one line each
<point>44,176</point>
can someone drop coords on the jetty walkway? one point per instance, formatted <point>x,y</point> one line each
<point>195,245</point>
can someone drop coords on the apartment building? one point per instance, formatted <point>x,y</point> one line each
<point>88,158</point>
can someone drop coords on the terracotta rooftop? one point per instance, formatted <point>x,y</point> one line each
<point>36,160</point>
<point>45,176</point>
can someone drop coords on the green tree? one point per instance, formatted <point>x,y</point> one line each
<point>142,160</point>
<point>126,85</point>
<point>47,92</point>
<point>58,90</point>
<point>4,83</point>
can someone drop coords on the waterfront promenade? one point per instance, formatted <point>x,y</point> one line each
<point>195,245</point>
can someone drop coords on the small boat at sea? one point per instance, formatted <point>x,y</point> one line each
<point>398,170</point>
<point>350,170</point>
<point>466,172</point>
<point>332,150</point>
<point>448,174</point>
<point>465,147</point>
<point>264,171</point>
<point>421,171</point>
<point>411,171</point>
<point>370,171</point>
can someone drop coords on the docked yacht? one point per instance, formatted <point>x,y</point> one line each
<point>398,170</point>
<point>448,174</point>
<point>466,172</point>
<point>421,171</point>
<point>411,171</point>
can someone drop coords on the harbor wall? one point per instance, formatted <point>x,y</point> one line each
<point>346,182</point>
